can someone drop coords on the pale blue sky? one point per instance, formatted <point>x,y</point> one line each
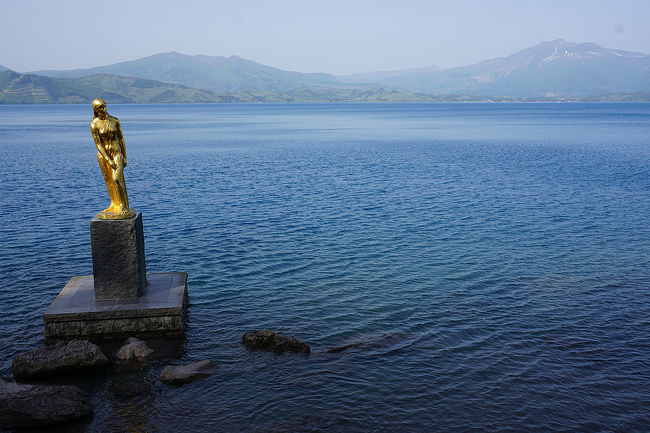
<point>336,36</point>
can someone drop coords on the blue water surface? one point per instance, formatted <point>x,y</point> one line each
<point>488,264</point>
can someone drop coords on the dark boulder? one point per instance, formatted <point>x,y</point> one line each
<point>24,406</point>
<point>271,342</point>
<point>179,374</point>
<point>60,358</point>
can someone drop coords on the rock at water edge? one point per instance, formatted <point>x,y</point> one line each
<point>37,405</point>
<point>133,355</point>
<point>180,374</point>
<point>62,357</point>
<point>268,340</point>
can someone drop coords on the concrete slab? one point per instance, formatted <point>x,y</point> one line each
<point>159,312</point>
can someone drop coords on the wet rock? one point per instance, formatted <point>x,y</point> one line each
<point>133,355</point>
<point>37,405</point>
<point>270,341</point>
<point>60,358</point>
<point>179,374</point>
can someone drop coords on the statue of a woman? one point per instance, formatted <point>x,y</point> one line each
<point>111,155</point>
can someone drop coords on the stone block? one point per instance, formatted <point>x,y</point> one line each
<point>159,312</point>
<point>118,257</point>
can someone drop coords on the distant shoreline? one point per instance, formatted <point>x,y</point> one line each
<point>18,88</point>
<point>337,102</point>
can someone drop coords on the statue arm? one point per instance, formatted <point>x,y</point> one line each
<point>100,147</point>
<point>120,140</point>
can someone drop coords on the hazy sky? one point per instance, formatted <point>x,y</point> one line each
<point>309,36</point>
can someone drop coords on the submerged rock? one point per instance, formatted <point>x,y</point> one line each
<point>37,405</point>
<point>133,355</point>
<point>270,341</point>
<point>339,349</point>
<point>130,388</point>
<point>62,357</point>
<point>179,374</point>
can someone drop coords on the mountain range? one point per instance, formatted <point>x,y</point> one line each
<point>221,74</point>
<point>556,70</point>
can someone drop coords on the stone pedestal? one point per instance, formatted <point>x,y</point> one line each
<point>118,257</point>
<point>159,312</point>
<point>120,300</point>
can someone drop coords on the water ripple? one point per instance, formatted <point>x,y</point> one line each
<point>454,268</point>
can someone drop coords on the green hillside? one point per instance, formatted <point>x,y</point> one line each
<point>35,89</point>
<point>341,95</point>
<point>18,88</point>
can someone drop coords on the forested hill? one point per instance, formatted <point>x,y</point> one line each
<point>18,88</point>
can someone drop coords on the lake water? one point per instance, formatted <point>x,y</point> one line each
<point>489,263</point>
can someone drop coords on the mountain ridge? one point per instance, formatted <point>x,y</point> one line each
<point>217,73</point>
<point>552,70</point>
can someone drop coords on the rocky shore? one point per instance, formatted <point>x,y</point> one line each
<point>34,401</point>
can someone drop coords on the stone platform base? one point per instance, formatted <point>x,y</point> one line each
<point>159,312</point>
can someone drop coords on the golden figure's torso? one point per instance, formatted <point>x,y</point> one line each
<point>107,131</point>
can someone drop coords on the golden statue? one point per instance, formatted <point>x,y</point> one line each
<point>111,155</point>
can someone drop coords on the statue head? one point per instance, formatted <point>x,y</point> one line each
<point>99,107</point>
